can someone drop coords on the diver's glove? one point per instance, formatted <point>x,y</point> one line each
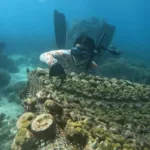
<point>57,70</point>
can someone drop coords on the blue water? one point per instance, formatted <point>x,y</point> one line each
<point>27,25</point>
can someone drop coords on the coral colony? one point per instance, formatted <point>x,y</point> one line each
<point>83,112</point>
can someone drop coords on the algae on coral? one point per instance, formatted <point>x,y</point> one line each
<point>107,113</point>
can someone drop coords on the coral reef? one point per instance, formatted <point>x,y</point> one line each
<point>7,131</point>
<point>134,71</point>
<point>30,104</point>
<point>53,108</point>
<point>83,112</point>
<point>25,120</point>
<point>76,132</point>
<point>44,127</point>
<point>22,139</point>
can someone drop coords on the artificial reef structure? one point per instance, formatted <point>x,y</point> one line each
<point>134,71</point>
<point>83,112</point>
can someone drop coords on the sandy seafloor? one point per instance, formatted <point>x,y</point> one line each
<point>14,110</point>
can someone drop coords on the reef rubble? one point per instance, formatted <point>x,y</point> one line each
<point>83,112</point>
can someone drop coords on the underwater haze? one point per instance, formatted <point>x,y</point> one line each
<point>113,107</point>
<point>27,25</point>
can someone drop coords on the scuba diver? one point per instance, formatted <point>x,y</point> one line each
<point>81,57</point>
<point>78,59</point>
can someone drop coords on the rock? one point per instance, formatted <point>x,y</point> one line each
<point>8,64</point>
<point>4,78</point>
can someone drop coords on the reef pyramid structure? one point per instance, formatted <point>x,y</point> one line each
<point>83,112</point>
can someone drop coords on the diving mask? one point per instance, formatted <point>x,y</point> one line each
<point>80,53</point>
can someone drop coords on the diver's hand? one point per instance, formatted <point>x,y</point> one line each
<point>57,70</point>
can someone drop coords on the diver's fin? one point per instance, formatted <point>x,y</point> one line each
<point>60,29</point>
<point>105,36</point>
<point>103,40</point>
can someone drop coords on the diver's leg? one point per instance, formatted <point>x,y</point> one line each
<point>60,29</point>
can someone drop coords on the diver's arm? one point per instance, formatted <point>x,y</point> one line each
<point>54,59</point>
<point>54,56</point>
<point>48,58</point>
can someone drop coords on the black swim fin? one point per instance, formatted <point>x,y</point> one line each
<point>105,36</point>
<point>103,40</point>
<point>60,29</point>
